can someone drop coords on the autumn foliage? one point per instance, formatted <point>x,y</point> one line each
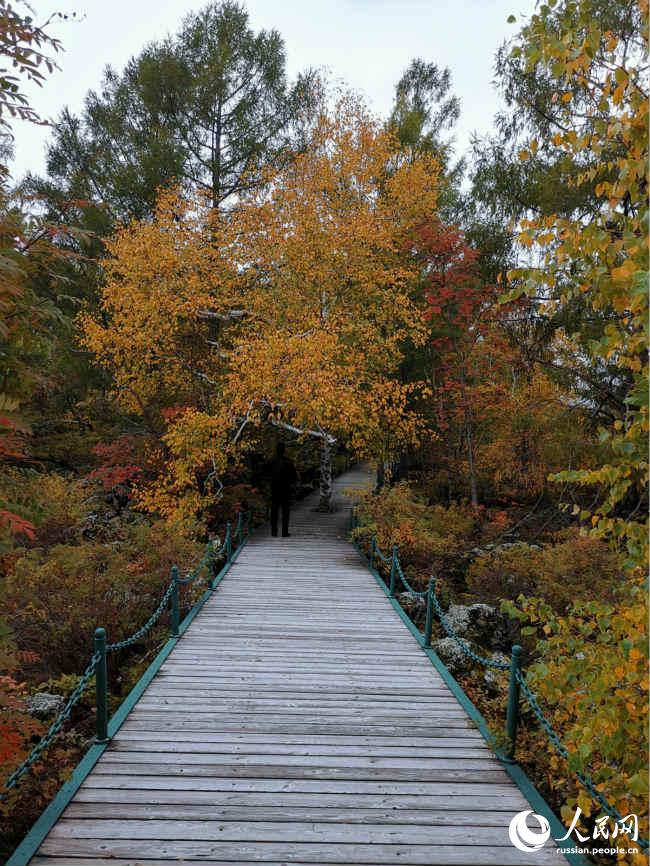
<point>336,287</point>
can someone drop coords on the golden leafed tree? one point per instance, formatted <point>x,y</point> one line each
<point>292,308</point>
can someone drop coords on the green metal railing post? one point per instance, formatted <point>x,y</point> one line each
<point>213,563</point>
<point>175,607</point>
<point>101,688</point>
<point>393,571</point>
<point>373,544</point>
<point>512,715</point>
<point>238,531</point>
<point>428,623</point>
<point>228,540</point>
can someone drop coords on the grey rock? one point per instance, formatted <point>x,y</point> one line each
<point>41,705</point>
<point>452,655</point>
<point>482,624</point>
<point>498,548</point>
<point>405,598</point>
<point>490,675</point>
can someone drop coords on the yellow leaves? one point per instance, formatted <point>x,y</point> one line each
<point>623,273</point>
<point>524,155</point>
<point>291,308</point>
<point>602,259</point>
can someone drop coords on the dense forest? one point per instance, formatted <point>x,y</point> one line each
<point>217,258</point>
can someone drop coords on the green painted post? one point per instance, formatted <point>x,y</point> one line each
<point>175,607</point>
<point>428,624</point>
<point>238,531</point>
<point>393,571</point>
<point>213,564</point>
<point>228,541</point>
<point>101,688</point>
<point>512,716</point>
<point>373,544</point>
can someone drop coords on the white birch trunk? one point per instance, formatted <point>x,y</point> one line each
<point>325,501</point>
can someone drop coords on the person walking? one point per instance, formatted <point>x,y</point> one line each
<point>283,476</point>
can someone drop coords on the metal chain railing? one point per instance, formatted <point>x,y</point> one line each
<point>469,652</point>
<point>561,749</point>
<point>141,632</point>
<point>97,665</point>
<point>517,682</point>
<point>54,728</point>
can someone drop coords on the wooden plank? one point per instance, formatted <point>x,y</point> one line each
<point>509,803</point>
<point>189,759</point>
<point>304,786</point>
<point>278,831</point>
<point>295,852</point>
<point>463,738</point>
<point>172,747</point>
<point>286,771</point>
<point>285,813</point>
<point>319,855</point>
<point>180,725</point>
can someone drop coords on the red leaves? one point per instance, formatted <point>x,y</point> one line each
<point>118,468</point>
<point>17,524</point>
<point>115,476</point>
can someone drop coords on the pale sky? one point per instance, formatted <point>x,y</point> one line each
<point>365,43</point>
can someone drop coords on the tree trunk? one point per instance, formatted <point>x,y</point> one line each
<point>381,475</point>
<point>325,501</point>
<point>472,468</point>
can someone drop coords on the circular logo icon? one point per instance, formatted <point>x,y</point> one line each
<point>525,839</point>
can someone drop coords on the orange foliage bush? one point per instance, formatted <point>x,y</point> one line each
<point>579,568</point>
<point>54,600</point>
<point>430,537</point>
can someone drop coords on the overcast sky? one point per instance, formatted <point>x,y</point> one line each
<point>366,43</point>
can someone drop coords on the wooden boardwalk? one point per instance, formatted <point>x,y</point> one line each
<point>296,721</point>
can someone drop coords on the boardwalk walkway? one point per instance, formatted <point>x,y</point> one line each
<point>296,721</point>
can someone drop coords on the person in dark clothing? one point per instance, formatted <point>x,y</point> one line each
<point>283,475</point>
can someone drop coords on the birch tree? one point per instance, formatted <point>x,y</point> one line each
<point>292,309</point>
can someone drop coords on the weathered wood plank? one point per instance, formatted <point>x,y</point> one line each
<point>279,831</point>
<point>296,852</point>
<point>287,771</point>
<point>319,855</point>
<point>403,805</point>
<point>189,759</point>
<point>350,786</point>
<point>282,814</point>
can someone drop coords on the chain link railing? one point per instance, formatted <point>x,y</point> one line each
<point>97,666</point>
<point>54,728</point>
<point>464,646</point>
<point>585,780</point>
<point>517,683</point>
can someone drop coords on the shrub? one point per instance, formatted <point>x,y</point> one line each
<point>55,599</point>
<point>591,676</point>
<point>578,568</point>
<point>431,538</point>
